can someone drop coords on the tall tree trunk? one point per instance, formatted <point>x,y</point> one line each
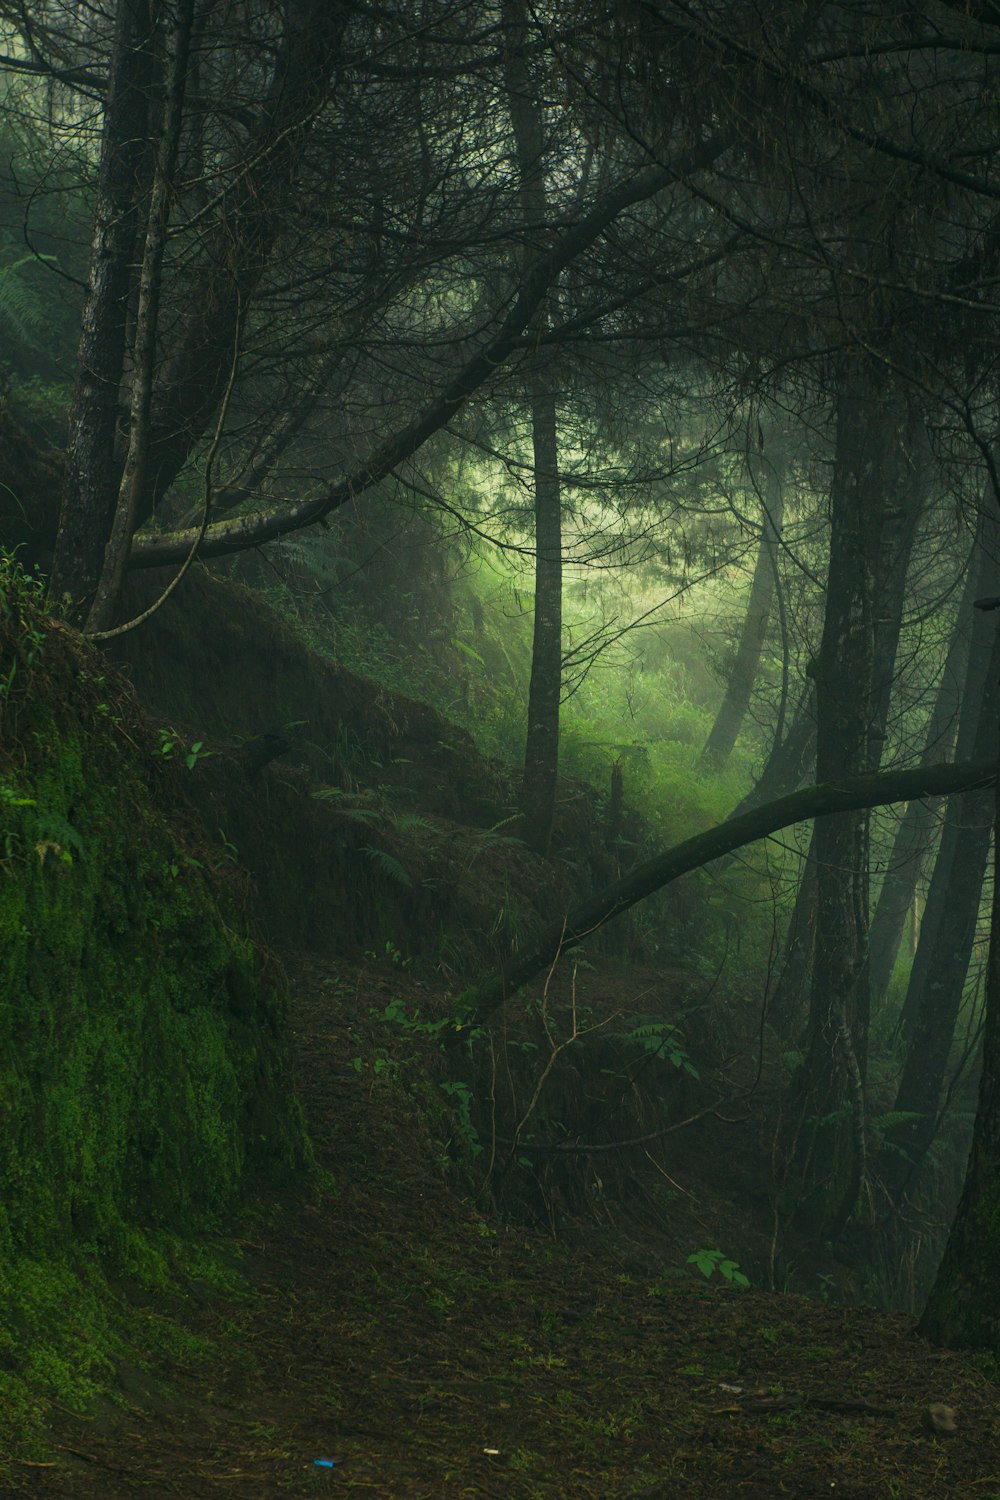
<point>964,1306</point>
<point>146,327</point>
<point>972,726</point>
<point>964,851</point>
<point>240,240</point>
<point>541,752</point>
<point>791,760</point>
<point>193,376</point>
<point>827,1138</point>
<point>93,463</point>
<point>736,699</point>
<point>541,749</point>
<point>919,821</point>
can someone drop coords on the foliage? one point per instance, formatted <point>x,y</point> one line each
<point>142,1069</point>
<point>712,1262</point>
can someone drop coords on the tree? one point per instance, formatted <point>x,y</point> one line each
<point>834,799</point>
<point>736,699</point>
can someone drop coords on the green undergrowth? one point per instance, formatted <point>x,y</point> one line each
<point>144,1089</point>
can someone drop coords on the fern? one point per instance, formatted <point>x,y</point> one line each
<point>389,865</point>
<point>23,311</point>
<point>413,823</point>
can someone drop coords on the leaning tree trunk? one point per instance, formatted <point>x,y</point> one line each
<point>146,327</point>
<point>736,699</point>
<point>826,1136</point>
<point>919,820</point>
<point>964,1306</point>
<point>964,851</point>
<point>93,460</point>
<point>973,730</point>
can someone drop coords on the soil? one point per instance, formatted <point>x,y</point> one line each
<point>395,1341</point>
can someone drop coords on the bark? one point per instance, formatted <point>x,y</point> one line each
<point>959,839</point>
<point>541,752</point>
<point>869,526</point>
<point>964,1306</point>
<point>93,464</point>
<point>919,822</point>
<point>845,795</point>
<point>147,321</point>
<point>196,370</point>
<point>736,700</point>
<point>966,839</point>
<point>792,988</point>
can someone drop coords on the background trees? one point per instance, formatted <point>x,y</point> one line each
<point>739,274</point>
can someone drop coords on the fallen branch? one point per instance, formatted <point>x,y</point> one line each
<point>478,1004</point>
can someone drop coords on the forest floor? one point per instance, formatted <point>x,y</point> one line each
<point>392,1341</point>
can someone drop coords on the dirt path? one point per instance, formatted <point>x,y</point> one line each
<point>424,1351</point>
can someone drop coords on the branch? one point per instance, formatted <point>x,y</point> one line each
<point>848,795</point>
<point>253,530</point>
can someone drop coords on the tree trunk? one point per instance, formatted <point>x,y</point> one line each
<point>541,751</point>
<point>918,823</point>
<point>964,1306</point>
<point>736,700</point>
<point>972,727</point>
<point>792,989</point>
<point>194,374</point>
<point>93,463</point>
<point>826,1137</point>
<point>146,327</point>
<point>964,851</point>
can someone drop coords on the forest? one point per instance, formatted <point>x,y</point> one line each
<point>499,713</point>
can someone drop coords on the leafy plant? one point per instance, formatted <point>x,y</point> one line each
<point>170,741</point>
<point>661,1039</point>
<point>710,1262</point>
<point>461,1098</point>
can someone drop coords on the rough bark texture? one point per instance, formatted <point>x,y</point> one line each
<point>826,1113</point>
<point>964,848</point>
<point>958,839</point>
<point>919,820</point>
<point>736,699</point>
<point>239,245</point>
<point>964,1305</point>
<point>93,461</point>
<point>146,326</point>
<point>541,750</point>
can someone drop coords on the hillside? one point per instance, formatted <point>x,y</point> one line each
<point>464,1279</point>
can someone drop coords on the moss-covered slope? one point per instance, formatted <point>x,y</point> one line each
<point>144,1087</point>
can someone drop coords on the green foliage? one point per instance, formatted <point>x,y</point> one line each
<point>715,1262</point>
<point>24,310</point>
<point>143,1083</point>
<point>660,1039</point>
<point>169,742</point>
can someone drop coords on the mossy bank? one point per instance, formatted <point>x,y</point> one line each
<point>144,1086</point>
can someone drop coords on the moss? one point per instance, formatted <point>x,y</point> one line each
<point>143,1076</point>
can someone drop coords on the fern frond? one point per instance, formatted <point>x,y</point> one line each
<point>389,865</point>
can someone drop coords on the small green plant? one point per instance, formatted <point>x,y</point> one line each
<point>461,1098</point>
<point>661,1039</point>
<point>710,1262</point>
<point>169,741</point>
